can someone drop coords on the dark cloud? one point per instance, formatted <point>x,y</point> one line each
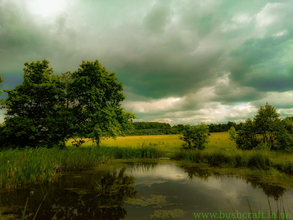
<point>263,64</point>
<point>209,54</point>
<point>157,19</point>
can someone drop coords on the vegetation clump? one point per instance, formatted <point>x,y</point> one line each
<point>46,110</point>
<point>196,137</point>
<point>266,131</point>
<point>19,167</point>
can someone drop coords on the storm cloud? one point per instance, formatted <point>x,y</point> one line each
<point>180,61</point>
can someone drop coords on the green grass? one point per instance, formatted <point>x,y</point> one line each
<point>254,159</point>
<point>220,151</point>
<point>19,167</point>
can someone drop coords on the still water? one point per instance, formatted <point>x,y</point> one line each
<point>146,191</point>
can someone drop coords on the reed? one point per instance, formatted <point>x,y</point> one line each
<point>19,167</point>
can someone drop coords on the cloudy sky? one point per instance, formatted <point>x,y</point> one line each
<point>186,61</point>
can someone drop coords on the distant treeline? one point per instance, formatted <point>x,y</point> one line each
<point>224,127</point>
<point>157,128</point>
<point>153,128</point>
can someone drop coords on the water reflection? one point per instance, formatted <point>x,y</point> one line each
<point>92,196</point>
<point>271,191</point>
<point>138,191</point>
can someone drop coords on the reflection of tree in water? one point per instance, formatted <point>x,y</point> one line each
<point>271,191</point>
<point>86,197</point>
<point>196,172</point>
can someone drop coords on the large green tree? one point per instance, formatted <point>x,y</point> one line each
<point>97,98</point>
<point>46,110</point>
<point>32,108</point>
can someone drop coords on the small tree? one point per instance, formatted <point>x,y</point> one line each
<point>267,122</point>
<point>284,136</point>
<point>247,136</point>
<point>232,133</point>
<point>195,136</point>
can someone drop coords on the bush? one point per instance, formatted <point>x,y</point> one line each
<point>262,146</point>
<point>284,136</point>
<point>232,133</point>
<point>265,131</point>
<point>195,136</point>
<point>246,138</point>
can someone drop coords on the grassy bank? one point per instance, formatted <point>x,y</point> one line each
<point>220,152</point>
<point>19,167</point>
<point>254,159</point>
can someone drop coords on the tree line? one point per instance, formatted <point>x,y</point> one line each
<point>157,128</point>
<point>46,109</point>
<point>152,128</point>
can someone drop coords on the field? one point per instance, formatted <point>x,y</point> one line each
<point>170,144</point>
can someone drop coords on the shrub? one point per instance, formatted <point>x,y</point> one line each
<point>246,138</point>
<point>232,133</point>
<point>195,136</point>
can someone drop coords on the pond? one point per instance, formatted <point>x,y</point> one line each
<point>147,191</point>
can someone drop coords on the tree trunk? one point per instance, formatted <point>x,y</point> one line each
<point>98,142</point>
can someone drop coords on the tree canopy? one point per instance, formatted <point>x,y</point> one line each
<point>48,109</point>
<point>195,136</point>
<point>97,98</point>
<point>266,130</point>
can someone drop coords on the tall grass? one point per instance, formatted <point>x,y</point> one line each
<point>19,167</point>
<point>253,159</point>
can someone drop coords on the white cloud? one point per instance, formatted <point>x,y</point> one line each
<point>164,171</point>
<point>48,9</point>
<point>242,19</point>
<point>151,106</point>
<point>269,14</point>
<point>277,99</point>
<point>280,33</point>
<point>2,115</point>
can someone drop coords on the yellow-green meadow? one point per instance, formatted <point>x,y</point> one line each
<point>167,143</point>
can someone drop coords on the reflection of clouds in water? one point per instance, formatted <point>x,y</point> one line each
<point>149,183</point>
<point>156,201</point>
<point>220,190</point>
<point>163,171</point>
<point>232,188</point>
<point>173,213</point>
